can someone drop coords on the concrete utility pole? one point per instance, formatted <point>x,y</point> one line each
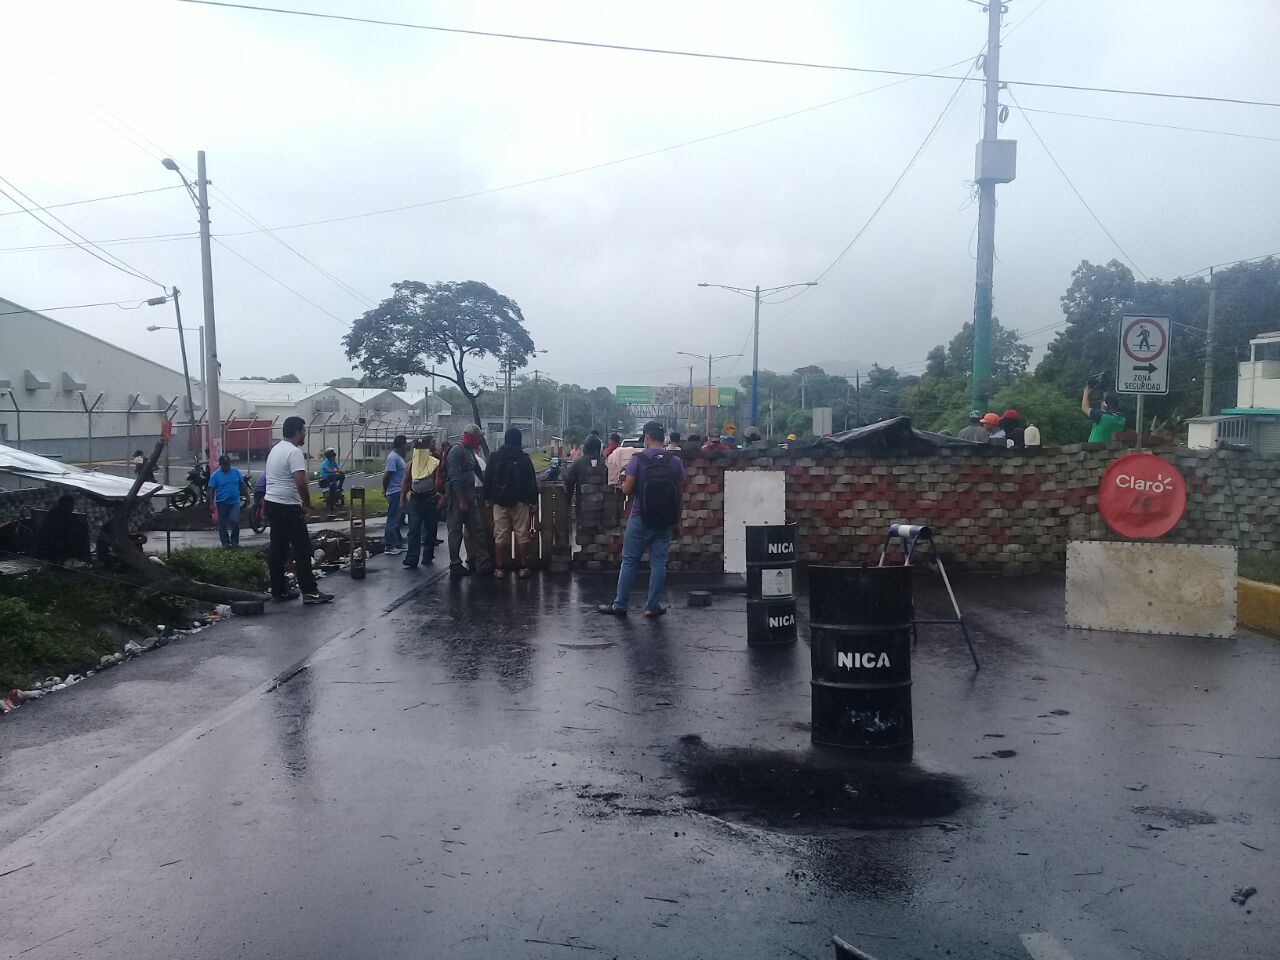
<point>212,393</point>
<point>1206,402</point>
<point>756,294</point>
<point>996,161</point>
<point>213,396</point>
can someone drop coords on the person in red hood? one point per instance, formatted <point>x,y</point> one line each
<point>615,441</point>
<point>1011,424</point>
<point>465,507</point>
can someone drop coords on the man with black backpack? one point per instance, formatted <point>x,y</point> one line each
<point>511,486</point>
<point>655,482</point>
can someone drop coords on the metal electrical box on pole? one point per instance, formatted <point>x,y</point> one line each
<point>996,162</point>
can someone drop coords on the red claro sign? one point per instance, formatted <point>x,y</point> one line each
<point>1142,496</point>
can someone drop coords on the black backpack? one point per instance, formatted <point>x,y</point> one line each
<point>659,492</point>
<point>505,482</point>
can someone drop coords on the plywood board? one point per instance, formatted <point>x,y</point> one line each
<point>751,497</point>
<point>1168,588</point>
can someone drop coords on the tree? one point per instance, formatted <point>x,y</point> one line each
<point>941,401</point>
<point>285,378</point>
<point>422,326</point>
<point>345,382</point>
<point>1056,413</point>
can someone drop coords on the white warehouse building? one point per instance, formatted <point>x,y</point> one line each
<point>68,394</point>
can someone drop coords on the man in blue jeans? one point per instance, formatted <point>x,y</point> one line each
<point>392,481</point>
<point>654,479</point>
<point>226,484</point>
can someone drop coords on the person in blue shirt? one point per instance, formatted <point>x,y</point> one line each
<point>225,485</point>
<point>331,477</point>
<point>392,481</point>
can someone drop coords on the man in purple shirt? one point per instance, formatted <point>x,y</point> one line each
<point>654,480</point>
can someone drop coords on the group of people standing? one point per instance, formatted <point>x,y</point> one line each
<point>1000,430</point>
<point>477,499</point>
<point>488,505</point>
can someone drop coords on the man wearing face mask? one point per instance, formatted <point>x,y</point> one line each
<point>465,505</point>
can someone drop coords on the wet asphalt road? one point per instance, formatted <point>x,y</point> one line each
<point>492,769</point>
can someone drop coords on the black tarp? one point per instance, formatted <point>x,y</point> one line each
<point>895,436</point>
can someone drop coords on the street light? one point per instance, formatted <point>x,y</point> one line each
<point>710,358</point>
<point>212,398</point>
<point>755,349</point>
<point>182,346</point>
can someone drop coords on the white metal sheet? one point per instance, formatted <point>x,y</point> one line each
<point>1167,588</point>
<point>105,486</point>
<point>751,497</point>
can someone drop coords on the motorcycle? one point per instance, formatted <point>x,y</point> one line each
<point>196,490</point>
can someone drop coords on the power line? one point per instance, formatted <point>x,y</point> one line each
<point>1079,196</point>
<point>1149,123</point>
<point>122,304</point>
<point>277,280</point>
<point>117,241</point>
<point>474,193</point>
<point>87,246</point>
<point>726,57</point>
<point>946,110</point>
<point>114,196</point>
<point>158,152</point>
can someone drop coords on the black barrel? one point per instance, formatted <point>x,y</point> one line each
<point>860,639</point>
<point>771,598</point>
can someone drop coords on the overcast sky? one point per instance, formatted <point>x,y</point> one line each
<point>306,119</point>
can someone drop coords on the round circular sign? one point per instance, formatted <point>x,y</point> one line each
<point>1142,496</point>
<point>1143,340</point>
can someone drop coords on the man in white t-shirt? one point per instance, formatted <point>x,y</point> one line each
<point>287,502</point>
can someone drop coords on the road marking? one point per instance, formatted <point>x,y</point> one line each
<point>1042,946</point>
<point>26,847</point>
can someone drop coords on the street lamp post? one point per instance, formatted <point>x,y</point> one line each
<point>756,293</point>
<point>182,346</point>
<point>710,358</point>
<point>212,397</point>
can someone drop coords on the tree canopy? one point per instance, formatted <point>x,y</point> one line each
<point>440,328</point>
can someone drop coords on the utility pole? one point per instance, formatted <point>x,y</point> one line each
<point>756,294</point>
<point>213,396</point>
<point>710,358</point>
<point>1206,402</point>
<point>995,164</point>
<point>857,398</point>
<point>506,398</point>
<point>690,398</point>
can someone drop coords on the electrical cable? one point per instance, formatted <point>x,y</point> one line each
<point>277,280</point>
<point>720,56</point>
<point>1079,196</point>
<point>158,152</point>
<point>1149,123</point>
<point>114,196</point>
<point>122,304</point>
<point>937,123</point>
<point>88,246</point>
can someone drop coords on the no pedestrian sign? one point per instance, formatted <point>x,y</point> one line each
<point>1143,366</point>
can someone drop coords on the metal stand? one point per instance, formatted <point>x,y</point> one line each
<point>913,537</point>
<point>359,549</point>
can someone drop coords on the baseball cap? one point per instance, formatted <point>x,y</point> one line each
<point>990,418</point>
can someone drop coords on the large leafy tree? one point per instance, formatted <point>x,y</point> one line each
<point>442,328</point>
<point>942,398</point>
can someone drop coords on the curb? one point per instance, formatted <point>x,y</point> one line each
<point>1258,605</point>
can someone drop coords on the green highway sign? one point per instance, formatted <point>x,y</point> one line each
<point>634,395</point>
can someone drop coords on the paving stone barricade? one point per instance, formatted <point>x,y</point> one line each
<point>18,503</point>
<point>990,509</point>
